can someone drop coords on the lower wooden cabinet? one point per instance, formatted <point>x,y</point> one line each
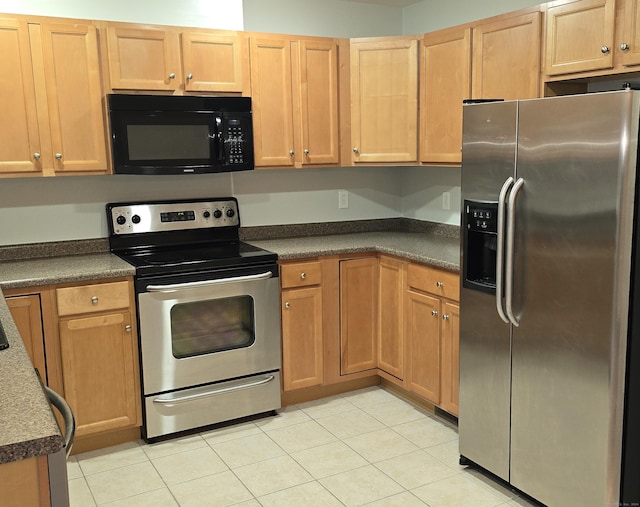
<point>390,316</point>
<point>27,315</point>
<point>450,357</point>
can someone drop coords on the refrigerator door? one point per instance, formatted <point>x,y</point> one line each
<point>489,147</point>
<point>571,287</point>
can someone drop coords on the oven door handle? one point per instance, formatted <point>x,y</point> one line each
<point>214,392</point>
<point>207,283</point>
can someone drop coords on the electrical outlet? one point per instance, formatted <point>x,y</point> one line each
<point>343,199</point>
<point>446,200</point>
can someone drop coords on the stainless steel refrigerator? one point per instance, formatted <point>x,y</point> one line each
<point>550,297</point>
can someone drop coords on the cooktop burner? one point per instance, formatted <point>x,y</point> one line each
<point>162,237</point>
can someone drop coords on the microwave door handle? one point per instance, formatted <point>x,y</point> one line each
<point>219,140</point>
<point>208,283</point>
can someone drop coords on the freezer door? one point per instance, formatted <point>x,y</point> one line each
<point>571,286</point>
<point>488,158</point>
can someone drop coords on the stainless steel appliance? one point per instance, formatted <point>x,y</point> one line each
<point>550,297</point>
<point>176,134</point>
<point>208,312</point>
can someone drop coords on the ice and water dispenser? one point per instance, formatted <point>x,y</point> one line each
<point>479,245</point>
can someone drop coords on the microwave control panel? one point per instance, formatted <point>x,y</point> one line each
<point>237,140</point>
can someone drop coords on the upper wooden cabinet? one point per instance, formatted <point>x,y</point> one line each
<point>53,120</point>
<point>629,43</point>
<point>506,58</point>
<point>579,36</point>
<point>445,81</point>
<point>384,99</point>
<point>294,90</point>
<point>172,59</point>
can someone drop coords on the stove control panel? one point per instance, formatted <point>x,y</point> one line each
<point>126,218</point>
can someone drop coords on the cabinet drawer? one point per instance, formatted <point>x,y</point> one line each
<point>300,274</point>
<point>434,281</point>
<point>92,298</point>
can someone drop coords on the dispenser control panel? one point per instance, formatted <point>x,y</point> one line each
<point>482,217</point>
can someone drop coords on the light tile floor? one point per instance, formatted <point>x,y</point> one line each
<point>367,447</point>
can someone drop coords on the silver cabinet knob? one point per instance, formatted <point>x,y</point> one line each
<point>356,150</point>
<point>58,156</point>
<point>189,76</point>
<point>445,317</point>
<point>306,152</point>
<point>172,75</point>
<point>94,300</point>
<point>303,275</point>
<point>604,49</point>
<point>36,155</point>
<point>292,153</point>
<point>127,328</point>
<point>434,313</point>
<point>439,284</point>
<point>287,305</point>
<point>624,46</point>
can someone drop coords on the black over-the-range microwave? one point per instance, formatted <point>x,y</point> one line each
<point>178,134</point>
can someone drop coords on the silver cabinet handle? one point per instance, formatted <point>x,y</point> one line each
<point>356,150</point>
<point>306,152</point>
<point>287,305</point>
<point>303,275</point>
<point>500,247</point>
<point>59,156</point>
<point>445,317</point>
<point>434,313</point>
<point>94,300</point>
<point>189,76</point>
<point>624,46</point>
<point>36,155</point>
<point>171,399</point>
<point>439,284</point>
<point>208,283</point>
<point>604,49</point>
<point>511,227</point>
<point>172,75</point>
<point>127,328</point>
<point>292,153</point>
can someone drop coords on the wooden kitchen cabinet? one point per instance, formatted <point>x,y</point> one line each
<point>98,349</point>
<point>432,335</point>
<point>358,314</point>
<point>445,81</point>
<point>294,89</point>
<point>53,121</point>
<point>302,329</point>
<point>27,315</point>
<point>391,274</point>
<point>384,100</point>
<point>171,59</point>
<point>506,57</point>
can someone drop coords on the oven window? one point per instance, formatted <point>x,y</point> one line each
<point>206,327</point>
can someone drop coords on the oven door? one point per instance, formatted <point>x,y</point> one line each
<point>210,330</point>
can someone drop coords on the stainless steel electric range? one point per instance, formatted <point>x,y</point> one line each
<point>208,312</point>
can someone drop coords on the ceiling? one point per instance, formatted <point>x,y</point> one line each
<point>392,3</point>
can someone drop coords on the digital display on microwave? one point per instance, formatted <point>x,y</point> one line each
<point>168,142</point>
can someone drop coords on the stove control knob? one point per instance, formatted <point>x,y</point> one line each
<point>217,213</point>
<point>121,220</point>
<point>206,214</point>
<point>230,213</point>
<point>135,219</point>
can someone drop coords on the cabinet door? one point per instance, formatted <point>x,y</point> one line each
<point>445,81</point>
<point>272,102</point>
<point>27,315</point>
<point>318,97</point>
<point>423,342</point>
<point>358,311</point>
<point>450,366</point>
<point>302,350</point>
<point>99,370</point>
<point>20,146</point>
<point>631,33</point>
<point>391,335</point>
<point>143,59</point>
<point>74,97</point>
<point>506,58</point>
<point>579,37</point>
<point>384,101</point>
<point>212,63</point>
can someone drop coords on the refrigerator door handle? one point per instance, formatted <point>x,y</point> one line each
<point>502,201</point>
<point>511,227</point>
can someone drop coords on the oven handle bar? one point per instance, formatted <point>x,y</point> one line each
<point>215,392</point>
<point>207,283</point>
